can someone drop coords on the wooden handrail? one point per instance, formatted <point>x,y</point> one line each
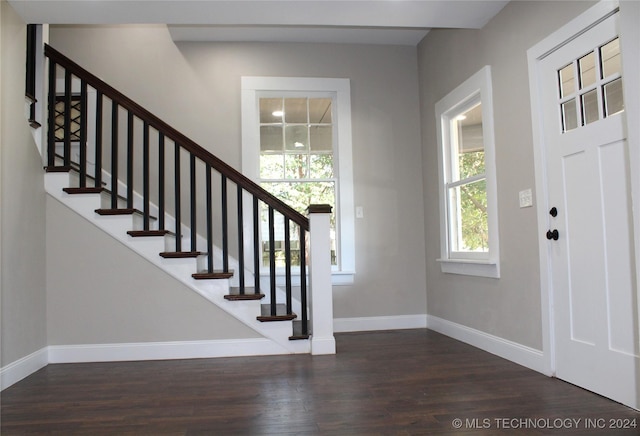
<point>179,138</point>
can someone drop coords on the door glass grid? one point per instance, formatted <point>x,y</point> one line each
<point>590,88</point>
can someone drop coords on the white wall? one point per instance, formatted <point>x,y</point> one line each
<point>196,88</point>
<point>509,307</point>
<point>22,206</point>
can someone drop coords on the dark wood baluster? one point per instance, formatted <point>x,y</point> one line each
<point>177,197</point>
<point>130,160</point>
<point>160,181</point>
<point>257,253</point>
<point>51,134</point>
<point>193,214</point>
<point>225,225</point>
<point>303,282</point>
<point>83,134</point>
<point>114,154</point>
<point>67,118</point>
<point>240,226</point>
<point>287,264</point>
<point>98,150</point>
<point>209,221</point>
<point>272,262</point>
<point>145,175</point>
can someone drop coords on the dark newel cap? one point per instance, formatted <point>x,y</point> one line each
<point>319,208</point>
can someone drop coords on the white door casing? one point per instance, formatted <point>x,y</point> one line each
<point>588,273</point>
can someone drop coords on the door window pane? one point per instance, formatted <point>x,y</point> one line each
<point>587,65</point>
<point>614,102</point>
<point>610,54</point>
<point>589,107</point>
<point>569,115</point>
<point>566,78</point>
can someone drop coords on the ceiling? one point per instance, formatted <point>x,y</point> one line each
<point>403,22</point>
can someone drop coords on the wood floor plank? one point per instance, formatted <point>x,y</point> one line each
<point>403,382</point>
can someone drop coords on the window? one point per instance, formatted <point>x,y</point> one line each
<point>468,209</point>
<point>296,142</point>
<point>597,92</point>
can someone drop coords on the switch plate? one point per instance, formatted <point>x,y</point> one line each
<point>359,212</point>
<point>526,198</point>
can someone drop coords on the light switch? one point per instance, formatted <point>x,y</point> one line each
<point>526,198</point>
<point>359,212</point>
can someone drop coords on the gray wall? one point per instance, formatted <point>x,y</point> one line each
<point>100,292</point>
<point>196,88</point>
<point>22,206</point>
<point>510,306</point>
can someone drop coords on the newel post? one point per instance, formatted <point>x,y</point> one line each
<point>321,292</point>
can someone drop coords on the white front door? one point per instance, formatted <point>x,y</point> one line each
<point>590,237</point>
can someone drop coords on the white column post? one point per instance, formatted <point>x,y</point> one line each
<point>321,292</point>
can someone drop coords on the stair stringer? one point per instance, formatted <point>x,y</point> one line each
<point>180,269</point>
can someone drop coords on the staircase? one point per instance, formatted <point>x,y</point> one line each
<point>184,210</point>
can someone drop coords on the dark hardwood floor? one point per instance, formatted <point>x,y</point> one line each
<point>393,383</point>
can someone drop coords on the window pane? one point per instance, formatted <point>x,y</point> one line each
<point>320,110</point>
<point>610,54</point>
<point>589,107</point>
<point>271,110</point>
<point>614,102</point>
<point>469,145</point>
<point>295,166</point>
<point>469,228</point>
<point>270,138</point>
<point>298,195</point>
<point>587,65</point>
<point>271,166</point>
<point>566,77</point>
<point>295,110</point>
<point>569,116</point>
<point>321,138</point>
<point>321,166</point>
<point>297,138</point>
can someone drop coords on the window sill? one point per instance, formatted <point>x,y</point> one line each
<point>338,278</point>
<point>470,267</point>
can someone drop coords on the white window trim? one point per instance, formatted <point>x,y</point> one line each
<point>251,87</point>
<point>477,87</point>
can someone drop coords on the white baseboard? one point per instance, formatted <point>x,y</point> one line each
<point>163,350</point>
<point>21,368</point>
<point>517,353</point>
<point>343,325</point>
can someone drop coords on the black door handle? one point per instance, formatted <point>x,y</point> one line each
<point>553,212</point>
<point>552,234</point>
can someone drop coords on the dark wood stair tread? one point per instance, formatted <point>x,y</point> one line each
<point>297,331</point>
<point>180,254</point>
<point>146,233</point>
<point>249,294</point>
<point>85,190</point>
<point>213,275</point>
<point>124,211</point>
<point>281,313</point>
<point>55,169</point>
